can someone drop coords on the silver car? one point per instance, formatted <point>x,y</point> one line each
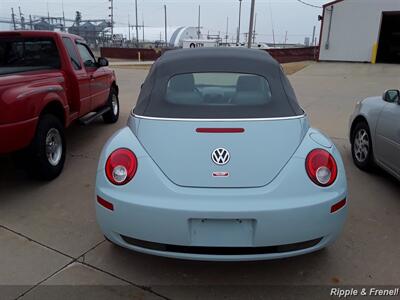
<point>375,133</point>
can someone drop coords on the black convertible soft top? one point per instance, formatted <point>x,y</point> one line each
<point>152,99</point>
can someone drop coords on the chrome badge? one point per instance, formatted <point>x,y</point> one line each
<point>220,156</point>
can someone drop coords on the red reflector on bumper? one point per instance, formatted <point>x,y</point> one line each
<point>220,130</point>
<point>105,203</point>
<point>338,205</point>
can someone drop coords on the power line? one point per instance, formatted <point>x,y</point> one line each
<point>308,4</point>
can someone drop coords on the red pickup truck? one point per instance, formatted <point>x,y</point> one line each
<point>47,81</point>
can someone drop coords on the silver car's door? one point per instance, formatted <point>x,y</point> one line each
<point>388,137</point>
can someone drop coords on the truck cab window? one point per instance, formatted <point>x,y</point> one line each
<point>72,53</point>
<point>87,56</point>
<point>28,54</point>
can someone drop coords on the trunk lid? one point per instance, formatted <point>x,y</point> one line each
<point>184,154</point>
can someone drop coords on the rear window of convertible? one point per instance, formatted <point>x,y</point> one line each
<point>218,89</point>
<point>217,95</point>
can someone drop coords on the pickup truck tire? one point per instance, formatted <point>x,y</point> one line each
<point>113,102</point>
<point>47,151</point>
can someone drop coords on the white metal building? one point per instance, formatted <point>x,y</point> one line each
<point>361,31</point>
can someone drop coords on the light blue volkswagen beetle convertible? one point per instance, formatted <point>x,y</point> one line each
<point>218,162</point>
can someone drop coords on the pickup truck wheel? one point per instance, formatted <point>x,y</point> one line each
<point>47,150</point>
<point>113,102</point>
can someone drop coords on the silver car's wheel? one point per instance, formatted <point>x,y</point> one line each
<point>53,146</point>
<point>361,145</point>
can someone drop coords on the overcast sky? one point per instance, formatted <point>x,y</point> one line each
<point>287,15</point>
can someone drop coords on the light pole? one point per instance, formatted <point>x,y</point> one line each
<point>240,13</point>
<point>253,2</point>
<point>137,32</point>
<point>198,25</point>
<point>111,15</point>
<point>165,25</point>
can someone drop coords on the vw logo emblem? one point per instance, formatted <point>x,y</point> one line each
<point>220,156</point>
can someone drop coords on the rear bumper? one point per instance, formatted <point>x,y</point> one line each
<point>275,233</point>
<point>324,242</point>
<point>15,136</point>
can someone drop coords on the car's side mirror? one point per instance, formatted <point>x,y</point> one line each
<point>102,62</point>
<point>392,96</point>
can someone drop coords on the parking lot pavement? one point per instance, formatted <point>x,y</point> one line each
<point>48,233</point>
<point>25,263</point>
<point>84,282</point>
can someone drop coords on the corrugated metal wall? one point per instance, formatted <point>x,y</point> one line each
<point>355,27</point>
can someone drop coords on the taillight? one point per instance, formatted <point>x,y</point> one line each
<point>321,167</point>
<point>121,166</point>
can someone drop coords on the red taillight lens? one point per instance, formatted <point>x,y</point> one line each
<point>121,166</point>
<point>321,167</point>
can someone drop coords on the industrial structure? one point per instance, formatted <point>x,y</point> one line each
<point>103,32</point>
<point>183,33</point>
<point>96,31</point>
<point>361,31</point>
<point>108,33</point>
<point>156,35</point>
